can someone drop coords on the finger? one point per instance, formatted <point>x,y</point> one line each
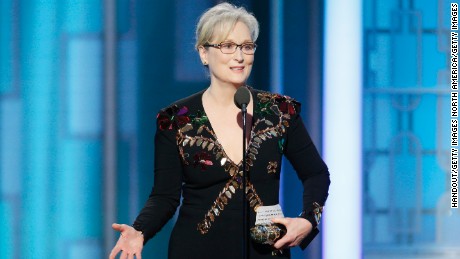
<point>139,255</point>
<point>281,244</point>
<point>117,227</point>
<point>295,242</point>
<point>283,221</point>
<point>114,252</point>
<point>131,256</point>
<point>124,255</point>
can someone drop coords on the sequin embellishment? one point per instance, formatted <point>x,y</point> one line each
<point>272,165</point>
<point>274,112</point>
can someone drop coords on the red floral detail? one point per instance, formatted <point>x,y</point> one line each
<point>286,104</point>
<point>202,159</point>
<point>173,117</point>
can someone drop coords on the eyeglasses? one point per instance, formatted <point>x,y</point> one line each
<point>230,47</point>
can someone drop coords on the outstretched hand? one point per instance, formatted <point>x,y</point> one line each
<point>297,230</point>
<point>130,242</point>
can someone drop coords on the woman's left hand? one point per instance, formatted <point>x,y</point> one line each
<point>297,230</point>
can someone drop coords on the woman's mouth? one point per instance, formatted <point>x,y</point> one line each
<point>238,68</point>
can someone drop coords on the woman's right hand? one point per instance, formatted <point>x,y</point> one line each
<point>130,242</point>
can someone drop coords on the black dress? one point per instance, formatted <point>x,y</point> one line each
<point>189,161</point>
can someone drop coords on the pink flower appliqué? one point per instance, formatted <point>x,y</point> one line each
<point>202,159</point>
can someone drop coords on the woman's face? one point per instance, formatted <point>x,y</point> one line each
<point>233,68</point>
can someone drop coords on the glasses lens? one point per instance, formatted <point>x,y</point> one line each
<point>228,47</point>
<point>248,48</point>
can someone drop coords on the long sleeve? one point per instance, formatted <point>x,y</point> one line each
<point>165,196</point>
<point>308,164</point>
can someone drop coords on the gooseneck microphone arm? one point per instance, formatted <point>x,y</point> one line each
<point>242,97</point>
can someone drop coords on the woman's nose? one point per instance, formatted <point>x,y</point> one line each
<point>239,55</point>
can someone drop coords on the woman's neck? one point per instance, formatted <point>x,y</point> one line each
<point>223,95</point>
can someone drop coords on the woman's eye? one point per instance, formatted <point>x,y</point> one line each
<point>248,47</point>
<point>227,45</point>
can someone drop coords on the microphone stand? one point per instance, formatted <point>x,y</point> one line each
<point>245,203</point>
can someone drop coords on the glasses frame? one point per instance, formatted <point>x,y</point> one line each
<point>219,45</point>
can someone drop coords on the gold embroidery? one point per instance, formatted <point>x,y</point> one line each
<point>185,140</point>
<point>317,212</point>
<point>272,167</point>
<point>268,105</point>
<point>253,197</point>
<point>223,198</point>
<point>218,205</point>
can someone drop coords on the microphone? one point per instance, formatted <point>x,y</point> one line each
<point>242,98</point>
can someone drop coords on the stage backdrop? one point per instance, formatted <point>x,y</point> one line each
<point>76,155</point>
<point>406,137</point>
<point>65,175</point>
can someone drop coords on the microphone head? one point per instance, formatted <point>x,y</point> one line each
<point>242,97</point>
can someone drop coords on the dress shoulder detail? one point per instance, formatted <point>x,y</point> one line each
<point>173,117</point>
<point>273,103</point>
<point>178,114</point>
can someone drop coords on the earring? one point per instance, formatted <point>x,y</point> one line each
<point>205,63</point>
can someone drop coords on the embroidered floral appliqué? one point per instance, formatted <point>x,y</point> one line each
<point>203,160</point>
<point>173,117</point>
<point>276,104</point>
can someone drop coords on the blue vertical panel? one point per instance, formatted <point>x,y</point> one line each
<point>342,128</point>
<point>433,60</point>
<point>86,249</point>
<point>128,179</point>
<point>276,68</point>
<point>6,242</point>
<point>10,138</point>
<point>10,174</point>
<point>297,50</point>
<point>156,90</point>
<point>405,151</point>
<point>294,85</point>
<point>405,172</point>
<point>406,62</point>
<point>82,16</point>
<point>125,10</point>
<point>375,226</point>
<point>432,111</point>
<point>38,64</point>
<point>128,89</point>
<point>84,90</point>
<point>79,217</point>
<point>10,146</point>
<point>79,196</point>
<point>293,82</point>
<point>6,45</point>
<point>381,17</point>
<point>50,128</point>
<point>188,66</point>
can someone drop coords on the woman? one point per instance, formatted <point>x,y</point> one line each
<point>198,156</point>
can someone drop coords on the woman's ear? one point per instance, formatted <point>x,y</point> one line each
<point>203,55</point>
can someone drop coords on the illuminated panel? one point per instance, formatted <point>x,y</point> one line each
<point>276,64</point>
<point>342,128</point>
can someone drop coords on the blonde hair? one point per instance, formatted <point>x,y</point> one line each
<point>219,21</point>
